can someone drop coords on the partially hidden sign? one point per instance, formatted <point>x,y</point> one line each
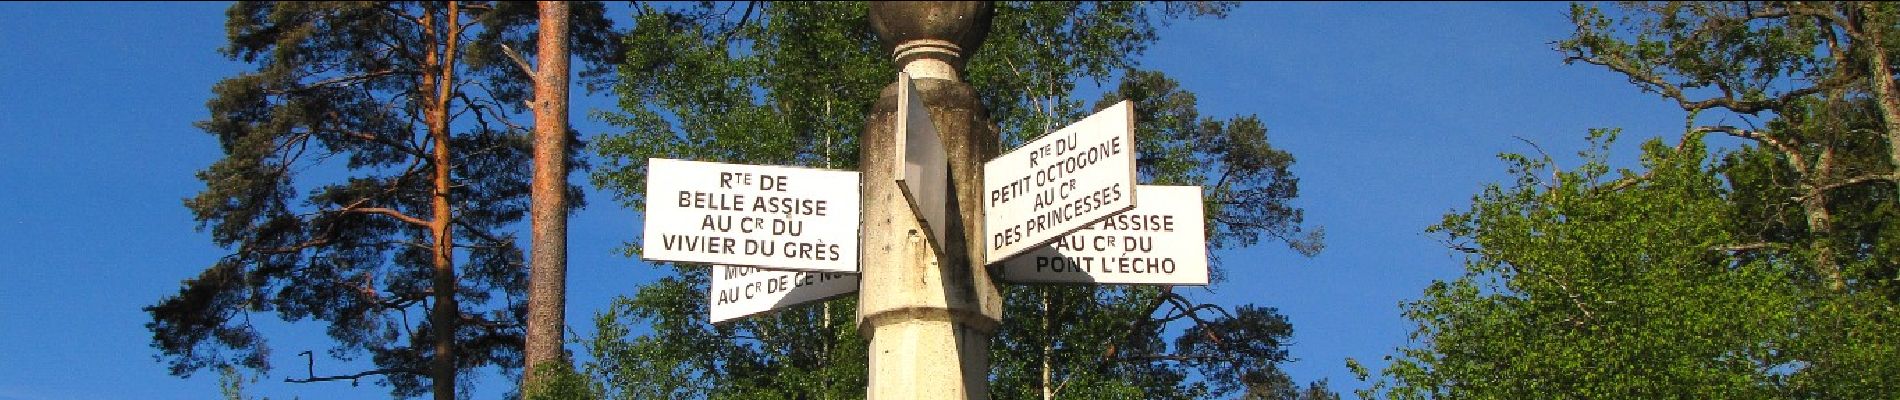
<point>923,169</point>
<point>1059,183</point>
<point>743,291</point>
<point>750,215</point>
<point>1160,242</point>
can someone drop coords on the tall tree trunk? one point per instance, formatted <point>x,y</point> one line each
<point>1048,349</point>
<point>1821,221</point>
<point>1880,72</point>
<point>445,316</point>
<point>547,281</point>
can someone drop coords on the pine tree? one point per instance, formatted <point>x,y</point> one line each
<point>371,169</point>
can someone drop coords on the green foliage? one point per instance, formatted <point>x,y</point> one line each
<point>785,87</point>
<point>1581,286</point>
<point>1584,286</point>
<point>559,381</point>
<point>326,191</point>
<point>787,83</point>
<point>1802,66</point>
<point>804,352</point>
<point>1282,389</point>
<point>1764,271</point>
<point>231,384</point>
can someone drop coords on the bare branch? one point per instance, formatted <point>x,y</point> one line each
<point>1895,178</point>
<point>291,248</point>
<point>337,81</point>
<point>1737,248</point>
<point>312,377</point>
<point>399,301</point>
<point>354,377</point>
<point>1674,92</point>
<point>396,10</point>
<point>1847,25</point>
<point>392,213</point>
<point>1109,353</point>
<point>374,137</point>
<point>480,234</point>
<point>526,69</point>
<point>1793,154</point>
<point>1176,357</point>
<point>1555,171</point>
<point>743,19</point>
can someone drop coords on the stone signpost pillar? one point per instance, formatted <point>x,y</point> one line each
<point>929,313</point>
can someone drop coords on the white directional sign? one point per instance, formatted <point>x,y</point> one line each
<point>742,291</point>
<point>1060,182</point>
<point>751,215</point>
<point>924,171</point>
<point>1160,242</point>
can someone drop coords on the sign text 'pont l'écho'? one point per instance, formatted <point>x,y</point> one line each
<point>1160,242</point>
<point>1060,182</point>
<point>743,291</point>
<point>751,215</point>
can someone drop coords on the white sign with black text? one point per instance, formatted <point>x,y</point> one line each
<point>752,215</point>
<point>1059,182</point>
<point>743,291</point>
<point>1161,242</point>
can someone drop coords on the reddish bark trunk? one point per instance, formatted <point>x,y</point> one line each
<point>547,280</point>
<point>444,316</point>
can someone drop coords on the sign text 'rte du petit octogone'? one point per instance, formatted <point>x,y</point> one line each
<point>1059,182</point>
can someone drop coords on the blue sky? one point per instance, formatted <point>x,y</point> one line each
<point>1395,112</point>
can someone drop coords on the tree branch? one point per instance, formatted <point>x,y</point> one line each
<point>349,377</point>
<point>1108,354</point>
<point>392,213</point>
<point>1895,178</point>
<point>743,19</point>
<point>1786,149</point>
<point>337,80</point>
<point>1736,248</point>
<point>1674,92</point>
<point>1555,171</point>
<point>1193,312</point>
<point>1847,26</point>
<point>1176,358</point>
<point>291,248</point>
<point>397,301</point>
<point>526,69</point>
<point>480,234</point>
<point>407,148</point>
<point>354,377</point>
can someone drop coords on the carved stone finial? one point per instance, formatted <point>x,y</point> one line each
<point>931,39</point>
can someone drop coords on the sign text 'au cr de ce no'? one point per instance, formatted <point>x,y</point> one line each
<point>1160,242</point>
<point>751,215</point>
<point>742,291</point>
<point>1059,182</point>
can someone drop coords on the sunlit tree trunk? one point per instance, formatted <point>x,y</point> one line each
<point>1880,72</point>
<point>547,281</point>
<point>439,72</point>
